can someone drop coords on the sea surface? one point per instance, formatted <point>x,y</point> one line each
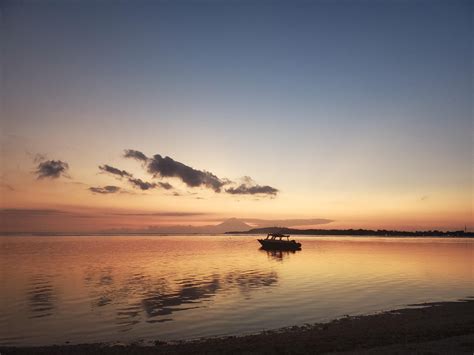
<point>57,290</point>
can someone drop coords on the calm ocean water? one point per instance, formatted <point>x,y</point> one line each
<point>107,289</point>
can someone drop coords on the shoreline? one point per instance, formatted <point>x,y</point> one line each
<point>357,232</point>
<point>427,327</point>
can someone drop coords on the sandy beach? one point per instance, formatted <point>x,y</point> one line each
<point>431,328</point>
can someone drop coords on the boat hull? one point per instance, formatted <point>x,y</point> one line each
<point>279,245</point>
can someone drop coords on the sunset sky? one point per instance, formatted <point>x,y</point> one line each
<point>130,114</point>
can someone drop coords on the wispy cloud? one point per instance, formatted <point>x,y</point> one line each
<point>161,214</point>
<point>142,185</point>
<point>249,187</point>
<point>6,187</point>
<point>37,158</point>
<point>110,189</point>
<point>94,213</point>
<point>135,182</point>
<point>252,190</point>
<point>135,154</point>
<point>165,185</point>
<point>32,212</point>
<point>114,171</point>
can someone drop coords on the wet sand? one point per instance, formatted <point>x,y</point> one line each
<point>433,328</point>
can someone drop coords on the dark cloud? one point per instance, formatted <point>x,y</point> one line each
<point>52,169</point>
<point>135,182</point>
<point>105,190</point>
<point>248,186</point>
<point>165,185</point>
<point>114,171</point>
<point>142,185</point>
<point>244,189</point>
<point>135,154</point>
<point>167,167</point>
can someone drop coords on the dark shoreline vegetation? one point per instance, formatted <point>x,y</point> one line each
<point>429,328</point>
<point>358,232</point>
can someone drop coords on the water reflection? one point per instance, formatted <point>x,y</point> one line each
<point>102,281</point>
<point>93,289</point>
<point>278,255</point>
<point>251,280</point>
<point>156,299</point>
<point>162,304</point>
<point>41,296</point>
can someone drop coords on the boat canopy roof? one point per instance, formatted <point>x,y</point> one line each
<point>277,236</point>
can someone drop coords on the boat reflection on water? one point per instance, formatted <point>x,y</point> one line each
<point>278,255</point>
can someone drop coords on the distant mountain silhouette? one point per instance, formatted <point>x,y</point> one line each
<point>231,224</point>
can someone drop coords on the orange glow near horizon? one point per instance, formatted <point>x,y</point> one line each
<point>78,210</point>
<point>383,205</point>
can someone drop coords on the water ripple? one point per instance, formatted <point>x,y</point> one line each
<point>90,289</point>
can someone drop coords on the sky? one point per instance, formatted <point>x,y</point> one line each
<point>131,114</point>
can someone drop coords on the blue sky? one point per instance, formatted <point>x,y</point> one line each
<point>325,100</point>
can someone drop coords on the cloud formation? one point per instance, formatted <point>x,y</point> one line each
<point>38,158</point>
<point>105,190</point>
<point>114,171</point>
<point>6,187</point>
<point>168,167</point>
<point>135,154</point>
<point>51,169</point>
<point>31,212</point>
<point>165,185</point>
<point>252,190</point>
<point>249,187</point>
<point>160,166</point>
<point>142,185</point>
<point>161,214</point>
<point>135,182</point>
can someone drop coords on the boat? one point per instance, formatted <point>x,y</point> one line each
<point>276,241</point>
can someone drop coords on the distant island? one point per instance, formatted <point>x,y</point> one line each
<point>357,232</point>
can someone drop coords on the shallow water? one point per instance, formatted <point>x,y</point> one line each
<point>132,288</point>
